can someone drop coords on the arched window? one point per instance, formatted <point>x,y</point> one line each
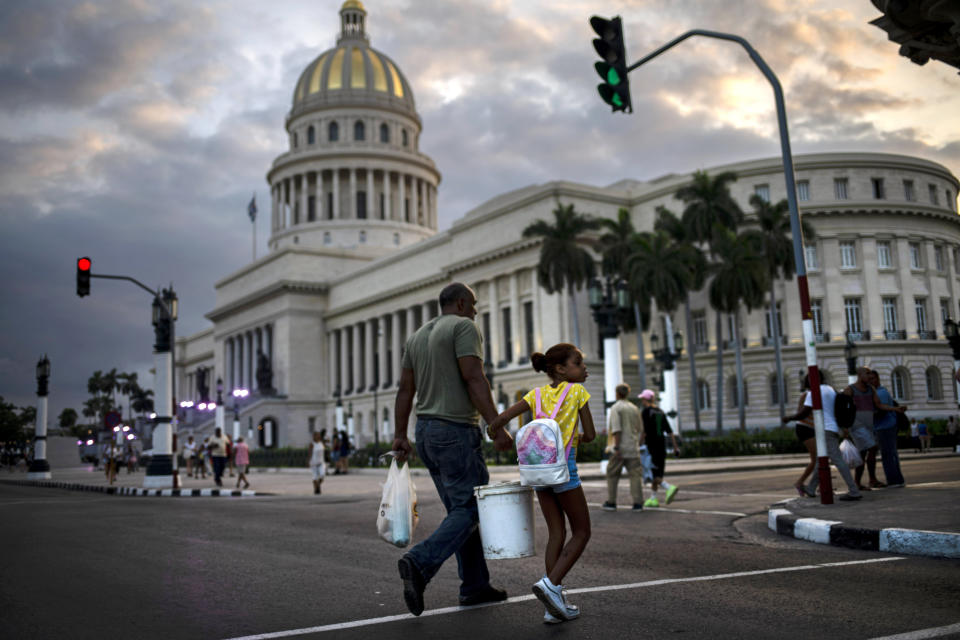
<point>703,395</point>
<point>774,396</point>
<point>384,133</point>
<point>404,139</point>
<point>934,386</point>
<point>358,130</point>
<point>333,132</point>
<point>311,135</point>
<point>267,433</point>
<point>732,384</point>
<point>900,384</point>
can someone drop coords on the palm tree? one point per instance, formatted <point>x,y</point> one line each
<point>773,221</point>
<point>708,204</point>
<point>617,246</point>
<point>668,222</point>
<point>564,263</point>
<point>142,402</point>
<point>739,277</point>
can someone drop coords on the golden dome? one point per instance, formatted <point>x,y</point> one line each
<point>352,4</point>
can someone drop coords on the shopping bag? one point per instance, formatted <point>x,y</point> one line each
<point>397,518</point>
<point>850,454</point>
<point>647,461</point>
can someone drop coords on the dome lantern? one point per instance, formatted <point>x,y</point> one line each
<point>352,18</point>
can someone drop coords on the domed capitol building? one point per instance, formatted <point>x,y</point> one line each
<point>356,261</point>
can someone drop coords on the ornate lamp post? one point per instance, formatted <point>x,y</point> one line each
<point>610,301</point>
<point>160,471</point>
<point>850,354</point>
<point>952,331</point>
<point>39,467</point>
<point>237,394</point>
<point>667,356</point>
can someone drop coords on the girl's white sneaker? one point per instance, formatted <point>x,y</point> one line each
<point>573,612</point>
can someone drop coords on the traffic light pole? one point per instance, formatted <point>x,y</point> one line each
<point>826,487</point>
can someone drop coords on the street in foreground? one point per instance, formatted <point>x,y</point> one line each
<point>78,565</point>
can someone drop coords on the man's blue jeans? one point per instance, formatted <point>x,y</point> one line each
<point>453,455</point>
<point>887,439</point>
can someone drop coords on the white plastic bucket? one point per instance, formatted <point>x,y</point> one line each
<point>506,520</point>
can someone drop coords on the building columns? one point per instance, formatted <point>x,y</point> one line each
<point>345,382</point>
<point>396,346</point>
<point>352,202</point>
<point>401,190</point>
<point>335,178</point>
<point>382,350</point>
<point>387,203</point>
<point>370,203</point>
<point>357,358</point>
<point>369,332</point>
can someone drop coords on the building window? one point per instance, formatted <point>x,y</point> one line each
<point>733,393</point>
<point>884,255</point>
<point>359,131</point>
<point>326,237</point>
<point>932,190</point>
<point>384,133</point>
<point>363,236</point>
<point>934,386</point>
<point>908,193</point>
<point>938,258</point>
<point>700,328</point>
<point>803,190</point>
<point>916,258</point>
<point>762,191</point>
<point>311,135</point>
<point>770,324</point>
<point>810,250</point>
<point>703,395</point>
<point>900,384</point>
<point>816,312</point>
<point>840,188</point>
<point>487,350</point>
<point>944,311</point>
<point>848,255</point>
<point>920,306</point>
<point>878,192</point>
<point>854,318</point>
<point>890,314</point>
<point>406,209</point>
<point>396,239</point>
<point>774,395</point>
<point>311,208</point>
<point>361,204</point>
<point>333,132</point>
<point>330,206</point>
<point>507,337</point>
<point>404,139</point>
<point>528,337</point>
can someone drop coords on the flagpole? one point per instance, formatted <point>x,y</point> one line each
<point>254,223</point>
<point>252,212</point>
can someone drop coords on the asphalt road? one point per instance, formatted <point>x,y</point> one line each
<point>78,565</point>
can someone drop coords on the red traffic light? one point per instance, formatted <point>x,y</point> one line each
<point>83,264</point>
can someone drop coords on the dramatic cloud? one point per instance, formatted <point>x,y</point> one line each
<point>135,132</point>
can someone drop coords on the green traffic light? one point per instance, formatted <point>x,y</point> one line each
<point>616,100</point>
<point>613,77</point>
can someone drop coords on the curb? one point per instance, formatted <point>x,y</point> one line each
<point>936,544</point>
<point>136,491</point>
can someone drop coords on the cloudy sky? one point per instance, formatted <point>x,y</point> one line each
<point>135,131</point>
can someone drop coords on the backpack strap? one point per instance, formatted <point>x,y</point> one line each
<point>563,396</point>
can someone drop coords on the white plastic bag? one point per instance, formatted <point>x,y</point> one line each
<point>850,454</point>
<point>397,518</point>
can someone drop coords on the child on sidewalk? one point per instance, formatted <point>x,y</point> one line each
<point>564,365</point>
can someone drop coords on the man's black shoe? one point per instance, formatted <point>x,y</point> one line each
<point>413,585</point>
<point>487,594</point>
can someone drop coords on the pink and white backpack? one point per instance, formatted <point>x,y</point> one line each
<point>540,451</point>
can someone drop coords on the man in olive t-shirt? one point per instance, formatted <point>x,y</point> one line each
<point>443,365</point>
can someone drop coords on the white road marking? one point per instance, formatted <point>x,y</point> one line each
<point>614,587</point>
<point>735,514</point>
<point>599,484</point>
<point>933,632</point>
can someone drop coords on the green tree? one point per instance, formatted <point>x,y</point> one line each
<point>142,401</point>
<point>668,222</point>
<point>710,206</point>
<point>14,422</point>
<point>773,222</point>
<point>617,244</point>
<point>564,263</point>
<point>68,418</point>
<point>739,278</point>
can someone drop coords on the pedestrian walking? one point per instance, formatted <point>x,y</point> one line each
<point>344,452</point>
<point>335,452</point>
<point>242,460</point>
<point>952,432</point>
<point>806,435</point>
<point>885,428</point>
<point>317,465</point>
<point>861,432</point>
<point>190,454</point>
<point>114,457</point>
<point>131,459</point>
<point>828,397</point>
<point>203,453</point>
<point>218,454</point>
<point>915,435</point>
<point>923,432</point>
<point>563,364</point>
<point>655,428</point>
<point>442,366</point>
<point>625,427</point>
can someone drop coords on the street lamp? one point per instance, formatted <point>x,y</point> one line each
<point>39,467</point>
<point>952,332</point>
<point>237,395</point>
<point>667,356</point>
<point>160,471</point>
<point>850,354</point>
<point>610,301</point>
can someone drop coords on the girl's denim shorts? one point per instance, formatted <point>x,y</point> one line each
<point>574,480</point>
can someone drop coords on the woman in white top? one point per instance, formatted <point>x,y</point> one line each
<point>190,453</point>
<point>317,465</point>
